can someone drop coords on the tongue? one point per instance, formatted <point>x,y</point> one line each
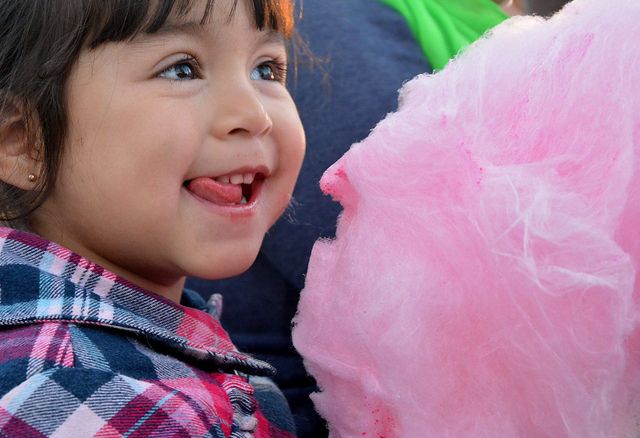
<point>213,191</point>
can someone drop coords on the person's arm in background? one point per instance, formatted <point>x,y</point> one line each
<point>513,7</point>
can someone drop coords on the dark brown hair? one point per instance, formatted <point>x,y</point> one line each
<point>40,41</point>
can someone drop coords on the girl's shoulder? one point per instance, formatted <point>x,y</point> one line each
<point>56,378</point>
<point>79,344</point>
<point>63,379</point>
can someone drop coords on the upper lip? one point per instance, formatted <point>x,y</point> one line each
<point>253,171</point>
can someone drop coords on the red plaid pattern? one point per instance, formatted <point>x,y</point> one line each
<point>84,352</point>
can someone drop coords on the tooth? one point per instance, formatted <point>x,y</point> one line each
<point>223,179</point>
<point>248,178</point>
<point>243,200</point>
<point>236,179</point>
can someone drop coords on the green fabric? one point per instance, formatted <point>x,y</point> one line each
<point>444,27</point>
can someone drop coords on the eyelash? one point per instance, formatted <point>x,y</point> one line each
<point>187,60</point>
<point>278,67</point>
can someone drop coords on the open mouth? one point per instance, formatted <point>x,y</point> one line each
<point>227,190</point>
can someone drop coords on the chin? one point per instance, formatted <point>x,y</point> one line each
<point>218,267</point>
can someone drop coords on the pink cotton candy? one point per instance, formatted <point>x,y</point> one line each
<point>483,281</point>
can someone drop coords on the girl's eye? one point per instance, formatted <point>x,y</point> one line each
<point>270,71</point>
<point>181,71</point>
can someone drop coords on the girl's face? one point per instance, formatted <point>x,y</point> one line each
<point>163,131</point>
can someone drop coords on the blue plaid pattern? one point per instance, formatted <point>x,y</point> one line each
<point>84,352</point>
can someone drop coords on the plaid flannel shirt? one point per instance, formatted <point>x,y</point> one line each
<point>84,352</point>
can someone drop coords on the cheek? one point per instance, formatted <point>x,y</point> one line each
<point>139,141</point>
<point>292,140</point>
<point>292,154</point>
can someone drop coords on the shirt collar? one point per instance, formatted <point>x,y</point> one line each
<point>42,281</point>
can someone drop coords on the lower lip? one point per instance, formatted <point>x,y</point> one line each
<point>233,210</point>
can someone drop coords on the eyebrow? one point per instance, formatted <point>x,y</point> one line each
<point>272,37</point>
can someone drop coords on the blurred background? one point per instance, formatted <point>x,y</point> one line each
<point>542,7</point>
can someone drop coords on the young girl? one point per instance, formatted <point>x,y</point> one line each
<point>141,141</point>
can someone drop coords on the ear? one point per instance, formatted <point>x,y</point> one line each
<point>19,154</point>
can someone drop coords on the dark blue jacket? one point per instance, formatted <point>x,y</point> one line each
<point>369,53</point>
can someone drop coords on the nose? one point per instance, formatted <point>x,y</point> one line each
<point>240,111</point>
